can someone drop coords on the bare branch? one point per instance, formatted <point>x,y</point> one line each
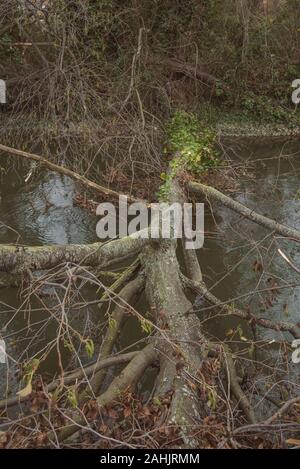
<point>246,212</point>
<point>233,310</point>
<point>75,375</point>
<point>62,170</point>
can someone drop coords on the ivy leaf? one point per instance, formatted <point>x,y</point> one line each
<point>90,348</point>
<point>72,397</point>
<point>146,326</point>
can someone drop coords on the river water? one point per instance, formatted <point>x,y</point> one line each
<point>242,260</point>
<point>238,257</point>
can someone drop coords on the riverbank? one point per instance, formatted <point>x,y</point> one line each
<point>256,129</point>
<point>240,122</point>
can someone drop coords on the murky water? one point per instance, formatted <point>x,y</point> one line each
<point>38,212</point>
<point>242,259</point>
<point>238,259</point>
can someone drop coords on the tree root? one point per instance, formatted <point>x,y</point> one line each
<point>192,265</point>
<point>129,294</point>
<point>127,379</point>
<point>74,376</point>
<point>236,389</point>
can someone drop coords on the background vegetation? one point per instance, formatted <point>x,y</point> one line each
<point>107,74</point>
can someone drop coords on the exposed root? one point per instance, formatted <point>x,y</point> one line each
<point>127,379</point>
<point>129,294</point>
<point>70,378</point>
<point>235,387</point>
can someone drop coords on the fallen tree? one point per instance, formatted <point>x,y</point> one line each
<point>177,344</point>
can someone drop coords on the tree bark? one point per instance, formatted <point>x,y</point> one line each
<point>18,258</point>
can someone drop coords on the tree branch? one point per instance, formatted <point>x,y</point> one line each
<point>15,258</point>
<point>246,212</point>
<point>127,378</point>
<point>233,310</point>
<point>62,170</point>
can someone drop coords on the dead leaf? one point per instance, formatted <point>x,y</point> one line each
<point>3,437</point>
<point>293,441</point>
<point>127,412</point>
<point>26,391</point>
<point>112,414</point>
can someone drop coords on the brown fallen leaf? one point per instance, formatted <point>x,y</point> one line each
<point>293,441</point>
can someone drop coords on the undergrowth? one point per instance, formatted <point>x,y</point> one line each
<point>191,146</point>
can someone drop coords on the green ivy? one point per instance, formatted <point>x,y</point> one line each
<point>192,147</point>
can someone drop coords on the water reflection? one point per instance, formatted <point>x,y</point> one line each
<point>244,254</point>
<point>43,212</point>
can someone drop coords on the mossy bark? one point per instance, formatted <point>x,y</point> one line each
<point>20,258</point>
<point>182,345</point>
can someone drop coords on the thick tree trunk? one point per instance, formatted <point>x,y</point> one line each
<point>182,345</point>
